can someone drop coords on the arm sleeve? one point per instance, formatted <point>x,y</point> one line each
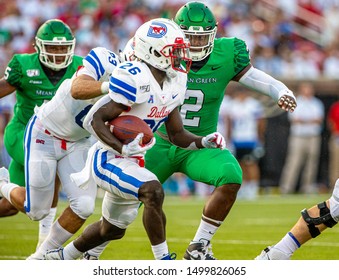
<point>261,82</point>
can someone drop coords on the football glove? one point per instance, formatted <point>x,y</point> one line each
<point>213,141</point>
<point>135,147</point>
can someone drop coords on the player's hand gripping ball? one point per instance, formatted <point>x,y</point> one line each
<point>127,127</point>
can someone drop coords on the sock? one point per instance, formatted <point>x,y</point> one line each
<point>205,231</point>
<point>288,244</point>
<point>97,251</point>
<point>57,236</point>
<point>45,225</point>
<point>160,250</point>
<point>71,253</point>
<point>6,189</point>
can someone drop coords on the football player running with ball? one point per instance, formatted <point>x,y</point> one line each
<point>215,63</point>
<point>57,143</point>
<point>151,88</point>
<point>35,78</point>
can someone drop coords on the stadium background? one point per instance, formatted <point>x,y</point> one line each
<point>293,40</point>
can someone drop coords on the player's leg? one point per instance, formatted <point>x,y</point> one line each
<point>126,184</point>
<point>13,141</point>
<point>162,169</point>
<point>82,201</point>
<point>312,222</point>
<point>97,233</point>
<point>218,168</point>
<point>46,223</point>
<point>131,182</point>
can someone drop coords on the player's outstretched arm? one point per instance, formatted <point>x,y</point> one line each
<point>261,82</point>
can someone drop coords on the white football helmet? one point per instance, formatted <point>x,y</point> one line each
<point>128,53</point>
<point>161,43</point>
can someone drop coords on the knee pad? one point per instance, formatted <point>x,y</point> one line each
<point>83,206</point>
<point>324,218</point>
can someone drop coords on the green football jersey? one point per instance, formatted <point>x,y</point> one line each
<point>206,87</point>
<point>24,72</point>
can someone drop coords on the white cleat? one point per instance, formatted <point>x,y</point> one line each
<point>56,254</point>
<point>271,253</point>
<point>35,257</point>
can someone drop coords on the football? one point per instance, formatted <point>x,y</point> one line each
<point>127,127</point>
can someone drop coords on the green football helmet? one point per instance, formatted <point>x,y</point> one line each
<point>200,27</point>
<point>55,44</point>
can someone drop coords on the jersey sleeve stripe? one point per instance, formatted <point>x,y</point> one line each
<point>128,95</point>
<point>121,87</point>
<point>94,60</point>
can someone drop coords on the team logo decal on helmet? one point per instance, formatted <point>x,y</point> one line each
<point>162,44</point>
<point>157,30</point>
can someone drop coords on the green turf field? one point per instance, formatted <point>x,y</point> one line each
<point>250,227</point>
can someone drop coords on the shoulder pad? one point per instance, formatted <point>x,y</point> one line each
<point>101,62</point>
<point>132,80</point>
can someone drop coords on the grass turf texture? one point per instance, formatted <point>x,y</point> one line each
<point>249,228</point>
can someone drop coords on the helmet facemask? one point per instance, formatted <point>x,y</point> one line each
<point>55,54</point>
<point>177,53</point>
<point>201,42</point>
<point>55,44</point>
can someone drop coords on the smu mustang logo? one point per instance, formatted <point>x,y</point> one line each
<point>157,30</point>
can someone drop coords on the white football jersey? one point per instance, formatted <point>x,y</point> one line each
<point>133,85</point>
<point>63,115</point>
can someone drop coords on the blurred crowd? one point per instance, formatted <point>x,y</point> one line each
<point>287,38</point>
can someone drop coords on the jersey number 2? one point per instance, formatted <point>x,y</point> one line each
<point>197,97</point>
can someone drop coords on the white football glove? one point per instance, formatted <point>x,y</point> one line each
<point>135,147</point>
<point>213,141</point>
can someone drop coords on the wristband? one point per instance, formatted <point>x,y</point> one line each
<point>104,87</point>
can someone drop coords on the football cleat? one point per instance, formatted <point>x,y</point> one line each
<point>271,253</point>
<point>56,254</point>
<point>199,250</point>
<point>4,176</point>
<point>87,257</point>
<point>169,256</point>
<point>35,257</point>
